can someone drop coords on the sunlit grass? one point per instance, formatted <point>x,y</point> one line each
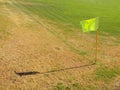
<point>73,11</point>
<point>4,25</point>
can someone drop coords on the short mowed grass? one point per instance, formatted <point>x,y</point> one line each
<point>71,12</point>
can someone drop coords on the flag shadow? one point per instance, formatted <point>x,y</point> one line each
<point>34,72</point>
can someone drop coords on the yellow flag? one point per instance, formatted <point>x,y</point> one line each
<point>90,25</point>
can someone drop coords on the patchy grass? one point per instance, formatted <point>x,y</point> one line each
<point>107,73</point>
<point>74,86</point>
<point>60,86</point>
<point>64,47</point>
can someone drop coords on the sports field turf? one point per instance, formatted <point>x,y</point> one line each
<point>42,46</point>
<point>73,11</point>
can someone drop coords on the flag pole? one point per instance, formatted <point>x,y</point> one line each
<point>96,53</point>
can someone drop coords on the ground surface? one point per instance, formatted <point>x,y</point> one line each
<point>31,43</point>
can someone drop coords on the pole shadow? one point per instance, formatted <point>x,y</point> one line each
<point>35,72</point>
<point>26,73</point>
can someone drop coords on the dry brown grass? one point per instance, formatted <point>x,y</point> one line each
<point>30,47</point>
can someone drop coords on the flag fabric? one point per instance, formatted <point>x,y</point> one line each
<point>90,25</point>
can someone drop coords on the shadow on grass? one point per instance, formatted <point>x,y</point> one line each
<point>34,72</point>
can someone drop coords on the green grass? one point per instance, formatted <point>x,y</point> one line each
<point>71,12</point>
<point>106,73</point>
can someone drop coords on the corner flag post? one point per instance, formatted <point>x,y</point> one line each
<point>91,25</point>
<point>96,55</point>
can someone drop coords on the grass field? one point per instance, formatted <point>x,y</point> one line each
<point>73,11</point>
<point>45,36</point>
